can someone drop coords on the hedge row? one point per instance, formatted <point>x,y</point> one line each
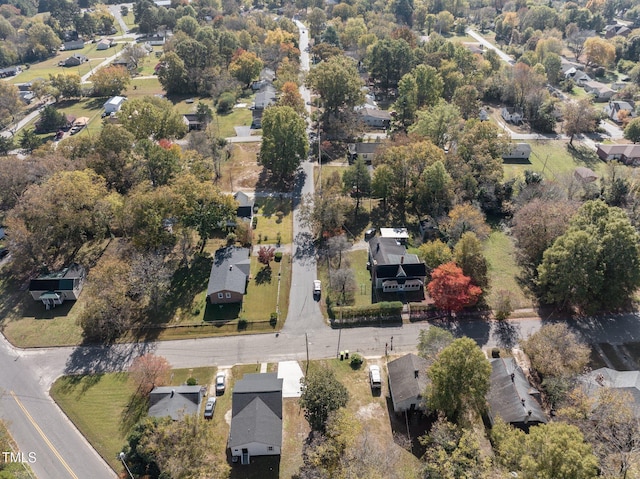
<point>384,309</point>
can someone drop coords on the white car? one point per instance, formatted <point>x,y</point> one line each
<point>220,382</point>
<point>374,377</point>
<point>317,287</point>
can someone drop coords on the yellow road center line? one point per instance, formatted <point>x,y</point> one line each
<point>46,439</point>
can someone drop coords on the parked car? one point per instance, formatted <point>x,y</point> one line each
<point>220,382</point>
<point>317,288</point>
<point>374,377</point>
<point>209,408</point>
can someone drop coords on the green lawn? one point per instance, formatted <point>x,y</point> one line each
<point>554,159</point>
<point>144,87</point>
<point>262,291</point>
<point>503,270</point>
<point>357,260</point>
<point>225,122</point>
<point>103,408</point>
<point>270,224</point>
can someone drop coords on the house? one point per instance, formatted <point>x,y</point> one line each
<point>192,121</point>
<point>584,174</point>
<point>624,153</point>
<point>393,270</point>
<point>121,62</point>
<point>229,275</point>
<point>511,397</point>
<point>264,98</point>
<point>73,45</point>
<point>600,91</point>
<point>256,417</point>
<point>26,96</point>
<point>74,60</point>
<point>605,378</point>
<point>517,151</point>
<point>104,44</point>
<point>245,205</point>
<point>175,401</point>
<point>365,150</point>
<point>113,104</point>
<point>9,71</point>
<point>578,76</point>
<point>401,235</point>
<point>55,288</point>
<point>512,115</point>
<point>407,383</point>
<point>373,118</point>
<point>614,107</point>
<point>615,30</point>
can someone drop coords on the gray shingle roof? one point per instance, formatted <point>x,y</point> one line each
<point>389,251</point>
<point>511,396</point>
<point>230,270</point>
<point>403,382</point>
<point>256,414</point>
<point>628,381</point>
<point>174,401</point>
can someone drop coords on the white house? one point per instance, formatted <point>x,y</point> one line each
<point>614,107</point>
<point>104,44</point>
<point>256,417</point>
<point>512,115</point>
<point>600,91</point>
<point>114,104</point>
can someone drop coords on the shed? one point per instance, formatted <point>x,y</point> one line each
<point>584,174</point>
<point>114,104</point>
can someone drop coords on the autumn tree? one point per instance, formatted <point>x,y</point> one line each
<point>162,447</point>
<point>266,255</point>
<point>440,124</point>
<point>459,379</point>
<point>112,311</point>
<point>434,191</point>
<point>290,96</point>
<point>337,82</point>
<point>435,253</point>
<point>343,282</point>
<point>135,55</point>
<point>549,450</point>
<point>110,81</point>
<point>608,270</point>
<point>65,86</point>
<point>150,279</point>
<point>406,104</point>
<point>432,341</point>
<point>466,217</point>
<point>148,371</point>
<point>246,67</point>
<point>321,394</point>
<point>356,181</point>
<point>556,351</point>
<point>579,117</point>
<point>336,247</point>
<point>451,290</point>
<point>151,117</point>
<point>429,85</point>
<point>325,212</point>
<point>52,220</point>
<point>536,225</point>
<point>599,51</point>
<point>284,142</point>
<point>468,254</point>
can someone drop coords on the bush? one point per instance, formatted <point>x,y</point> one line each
<point>278,257</point>
<point>356,361</point>
<point>254,222</point>
<point>225,102</point>
<point>273,319</point>
<point>192,382</point>
<point>242,324</point>
<point>231,238</point>
<point>495,353</point>
<point>503,305</point>
<point>278,238</point>
<point>279,215</point>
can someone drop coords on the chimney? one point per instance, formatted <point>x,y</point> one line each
<point>402,259</point>
<point>416,373</point>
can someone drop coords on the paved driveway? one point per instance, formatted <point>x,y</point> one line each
<point>291,372</point>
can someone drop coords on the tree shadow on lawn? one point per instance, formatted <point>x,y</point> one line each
<point>269,206</point>
<point>584,156</point>
<point>133,412</point>
<point>264,275</point>
<point>79,382</point>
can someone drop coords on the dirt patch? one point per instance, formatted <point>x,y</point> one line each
<point>241,170</point>
<point>294,435</point>
<point>369,411</point>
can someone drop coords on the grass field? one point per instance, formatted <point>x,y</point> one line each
<point>262,292</point>
<point>503,271</point>
<point>269,224</point>
<point>241,170</point>
<point>104,409</point>
<point>358,263</point>
<point>554,159</point>
<point>224,123</point>
<point>142,87</point>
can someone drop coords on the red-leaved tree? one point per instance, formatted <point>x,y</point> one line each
<point>266,255</point>
<point>149,371</point>
<point>451,290</point>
